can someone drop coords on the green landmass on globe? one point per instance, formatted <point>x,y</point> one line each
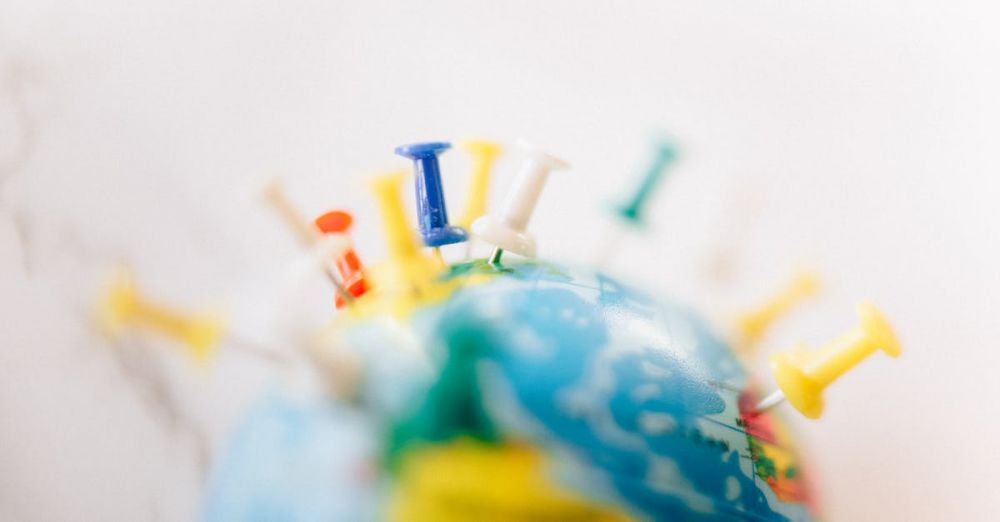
<point>536,392</point>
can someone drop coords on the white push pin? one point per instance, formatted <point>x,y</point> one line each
<point>509,230</point>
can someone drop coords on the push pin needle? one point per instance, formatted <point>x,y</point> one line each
<point>495,256</point>
<point>307,234</point>
<point>509,231</point>
<point>802,376</point>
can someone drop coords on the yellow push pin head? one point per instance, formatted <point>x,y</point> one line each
<point>878,329</point>
<point>803,394</point>
<point>119,305</point>
<point>802,376</point>
<point>485,151</point>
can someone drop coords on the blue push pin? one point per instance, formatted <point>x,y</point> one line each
<point>432,216</point>
<point>632,211</point>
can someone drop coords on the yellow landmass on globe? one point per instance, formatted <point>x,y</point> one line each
<point>468,480</point>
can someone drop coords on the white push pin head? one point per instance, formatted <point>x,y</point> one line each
<point>508,230</point>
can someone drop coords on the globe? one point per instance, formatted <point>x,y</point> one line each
<point>531,391</point>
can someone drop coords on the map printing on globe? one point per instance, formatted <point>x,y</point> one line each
<point>528,391</point>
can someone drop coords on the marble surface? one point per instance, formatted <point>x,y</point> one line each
<point>853,136</point>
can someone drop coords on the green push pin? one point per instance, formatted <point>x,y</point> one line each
<point>631,215</point>
<point>632,212</point>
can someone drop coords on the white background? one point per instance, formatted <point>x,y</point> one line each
<point>858,137</point>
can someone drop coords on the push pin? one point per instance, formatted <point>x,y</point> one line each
<point>633,211</point>
<point>406,261</point>
<point>352,276</point>
<point>509,230</point>
<point>123,307</point>
<point>401,243</point>
<point>276,197</point>
<point>631,214</point>
<point>802,376</point>
<point>484,154</point>
<point>751,326</point>
<point>308,234</point>
<point>432,214</point>
<point>408,278</point>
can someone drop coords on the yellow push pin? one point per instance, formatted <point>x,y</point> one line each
<point>484,154</point>
<point>123,307</point>
<point>400,240</point>
<point>802,376</point>
<point>752,325</point>
<point>407,268</point>
<point>277,198</point>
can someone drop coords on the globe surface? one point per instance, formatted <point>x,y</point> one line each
<point>531,392</point>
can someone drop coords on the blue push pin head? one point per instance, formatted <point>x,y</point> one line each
<point>432,216</point>
<point>632,211</point>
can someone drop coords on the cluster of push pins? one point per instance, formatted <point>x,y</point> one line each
<point>410,275</point>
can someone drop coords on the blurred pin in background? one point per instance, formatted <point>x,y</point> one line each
<point>754,324</point>
<point>630,215</point>
<point>308,235</point>
<point>123,307</point>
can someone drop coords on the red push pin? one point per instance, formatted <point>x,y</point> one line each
<point>352,275</point>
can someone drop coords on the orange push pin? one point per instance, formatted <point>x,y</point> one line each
<point>352,276</point>
<point>308,235</point>
<point>803,375</point>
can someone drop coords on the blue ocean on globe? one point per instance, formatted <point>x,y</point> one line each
<point>635,405</point>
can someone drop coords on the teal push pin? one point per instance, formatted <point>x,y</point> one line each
<point>632,212</point>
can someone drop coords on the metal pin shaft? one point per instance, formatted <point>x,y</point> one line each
<point>341,291</point>
<point>495,258</point>
<point>776,398</point>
